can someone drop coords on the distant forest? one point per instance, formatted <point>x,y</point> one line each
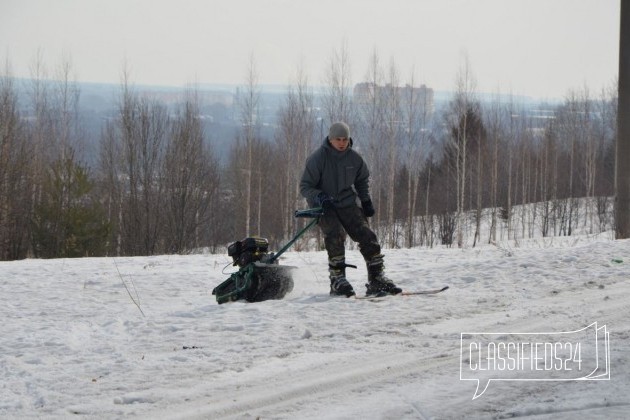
<point>158,177</point>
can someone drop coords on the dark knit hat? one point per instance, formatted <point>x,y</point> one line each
<point>339,129</point>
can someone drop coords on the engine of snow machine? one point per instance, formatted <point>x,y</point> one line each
<point>259,277</point>
<point>249,250</point>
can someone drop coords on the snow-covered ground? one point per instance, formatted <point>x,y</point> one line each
<point>73,344</point>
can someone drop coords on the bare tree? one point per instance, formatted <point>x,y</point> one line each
<point>460,109</point>
<point>66,215</point>
<point>511,144</point>
<point>526,153</point>
<point>589,151</point>
<point>605,134</point>
<point>570,128</point>
<point>191,179</point>
<point>66,110</point>
<point>54,134</point>
<point>294,141</point>
<point>416,114</point>
<point>495,120</point>
<point>41,128</point>
<point>16,170</point>
<point>548,177</point>
<point>369,102</point>
<point>337,100</point>
<point>131,158</point>
<point>391,137</point>
<point>249,103</point>
<point>111,185</point>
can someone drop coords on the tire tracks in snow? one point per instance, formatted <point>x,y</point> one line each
<point>333,379</point>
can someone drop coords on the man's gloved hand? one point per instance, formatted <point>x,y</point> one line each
<point>325,201</point>
<point>368,208</point>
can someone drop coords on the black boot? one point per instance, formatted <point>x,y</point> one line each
<point>378,283</point>
<point>339,285</point>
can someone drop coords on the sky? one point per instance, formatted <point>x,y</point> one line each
<point>539,48</point>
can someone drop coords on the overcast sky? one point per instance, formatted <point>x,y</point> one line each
<point>541,48</point>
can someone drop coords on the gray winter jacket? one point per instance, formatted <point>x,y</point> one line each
<point>342,175</point>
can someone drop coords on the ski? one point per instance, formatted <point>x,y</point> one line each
<point>404,293</point>
<point>424,292</point>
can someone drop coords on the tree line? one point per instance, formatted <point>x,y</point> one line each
<point>475,170</point>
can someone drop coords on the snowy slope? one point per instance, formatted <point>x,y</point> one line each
<point>74,345</point>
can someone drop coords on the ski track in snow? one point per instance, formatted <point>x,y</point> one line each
<point>74,345</point>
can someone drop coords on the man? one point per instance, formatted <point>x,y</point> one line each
<point>334,177</point>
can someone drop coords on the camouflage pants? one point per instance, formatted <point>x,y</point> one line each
<point>351,221</point>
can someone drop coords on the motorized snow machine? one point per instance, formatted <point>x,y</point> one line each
<point>260,277</point>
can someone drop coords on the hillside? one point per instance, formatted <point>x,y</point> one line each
<point>75,345</point>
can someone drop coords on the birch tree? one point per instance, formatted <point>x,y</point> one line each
<point>370,128</point>
<point>495,123</point>
<point>459,110</point>
<point>391,136</point>
<point>416,114</point>
<point>249,106</point>
<point>295,142</point>
<point>132,156</point>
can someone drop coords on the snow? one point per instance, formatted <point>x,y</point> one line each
<point>74,343</point>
